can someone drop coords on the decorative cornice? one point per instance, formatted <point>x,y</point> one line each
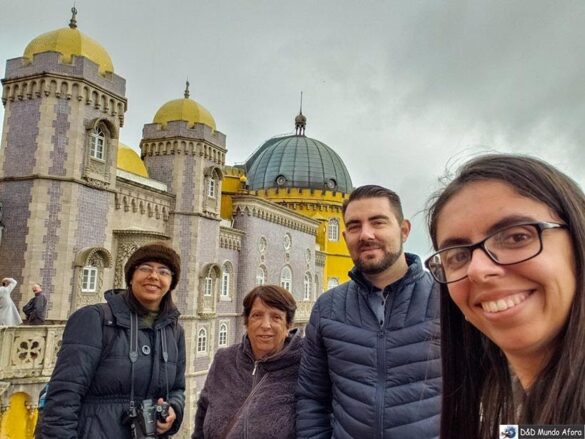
<point>308,205</point>
<point>206,215</point>
<point>137,232</point>
<point>146,183</point>
<point>79,80</point>
<point>181,145</point>
<point>274,213</point>
<point>57,178</point>
<point>38,85</point>
<point>205,315</point>
<point>230,239</point>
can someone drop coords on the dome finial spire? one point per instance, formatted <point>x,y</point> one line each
<point>187,89</point>
<point>300,120</point>
<point>73,21</point>
<point>301,110</point>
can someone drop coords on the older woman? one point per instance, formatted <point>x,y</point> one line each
<point>122,363</point>
<point>249,391</point>
<point>509,232</point>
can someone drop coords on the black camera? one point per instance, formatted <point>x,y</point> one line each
<point>142,420</point>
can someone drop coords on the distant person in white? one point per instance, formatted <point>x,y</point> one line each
<point>9,315</point>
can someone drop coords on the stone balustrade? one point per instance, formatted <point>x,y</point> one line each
<point>28,351</point>
<point>303,312</point>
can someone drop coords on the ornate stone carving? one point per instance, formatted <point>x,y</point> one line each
<point>27,352</point>
<point>98,184</point>
<point>206,315</point>
<point>128,242</point>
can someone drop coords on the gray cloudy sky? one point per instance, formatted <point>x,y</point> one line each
<point>400,89</point>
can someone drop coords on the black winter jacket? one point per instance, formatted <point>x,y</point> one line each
<point>361,380</point>
<point>89,393</point>
<point>265,389</point>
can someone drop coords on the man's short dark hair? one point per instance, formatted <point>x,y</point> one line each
<point>374,191</point>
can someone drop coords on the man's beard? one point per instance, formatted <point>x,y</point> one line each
<point>375,266</point>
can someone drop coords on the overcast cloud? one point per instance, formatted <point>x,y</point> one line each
<point>402,90</point>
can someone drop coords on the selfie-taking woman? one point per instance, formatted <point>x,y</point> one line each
<point>509,232</point>
<point>250,388</point>
<point>122,365</point>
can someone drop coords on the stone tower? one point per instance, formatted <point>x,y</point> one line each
<point>183,149</point>
<point>64,107</point>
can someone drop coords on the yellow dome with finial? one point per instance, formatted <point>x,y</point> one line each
<point>69,41</point>
<point>129,161</point>
<point>184,109</point>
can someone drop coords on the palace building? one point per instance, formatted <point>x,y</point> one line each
<point>75,203</point>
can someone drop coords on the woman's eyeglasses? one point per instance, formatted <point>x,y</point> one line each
<point>508,246</point>
<point>161,271</point>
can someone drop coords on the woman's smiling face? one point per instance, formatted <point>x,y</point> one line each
<point>521,307</point>
<point>149,286</point>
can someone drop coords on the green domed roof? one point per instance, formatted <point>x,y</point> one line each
<point>297,161</point>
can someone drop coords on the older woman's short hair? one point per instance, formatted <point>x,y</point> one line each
<point>274,297</point>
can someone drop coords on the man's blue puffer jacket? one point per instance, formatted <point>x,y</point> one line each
<point>362,380</point>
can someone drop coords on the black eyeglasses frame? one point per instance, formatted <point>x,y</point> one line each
<point>541,226</point>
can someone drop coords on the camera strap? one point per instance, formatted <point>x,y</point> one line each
<point>165,355</point>
<point>133,354</point>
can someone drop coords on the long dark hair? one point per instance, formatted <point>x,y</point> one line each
<point>477,386</point>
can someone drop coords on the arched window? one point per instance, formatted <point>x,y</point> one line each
<point>202,340</point>
<point>261,276</point>
<point>208,291</point>
<point>333,230</point>
<point>332,282</point>
<point>222,339</point>
<point>211,187</point>
<point>307,287</point>
<point>286,278</point>
<point>225,281</point>
<point>89,279</point>
<point>97,144</point>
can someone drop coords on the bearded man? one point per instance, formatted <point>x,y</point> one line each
<point>370,366</point>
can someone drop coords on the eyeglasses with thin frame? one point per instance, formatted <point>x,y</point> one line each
<point>161,271</point>
<point>508,246</point>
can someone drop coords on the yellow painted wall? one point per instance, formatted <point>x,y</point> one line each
<point>18,422</point>
<point>233,181</point>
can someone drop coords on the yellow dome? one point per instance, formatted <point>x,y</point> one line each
<point>184,109</point>
<point>129,161</point>
<point>70,41</point>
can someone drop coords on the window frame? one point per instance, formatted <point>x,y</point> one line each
<point>329,283</point>
<point>307,287</point>
<point>208,286</point>
<point>89,279</point>
<point>97,144</point>
<point>225,282</point>
<point>333,230</point>
<point>262,270</point>
<point>286,282</point>
<point>224,334</point>
<point>211,187</point>
<point>202,341</point>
